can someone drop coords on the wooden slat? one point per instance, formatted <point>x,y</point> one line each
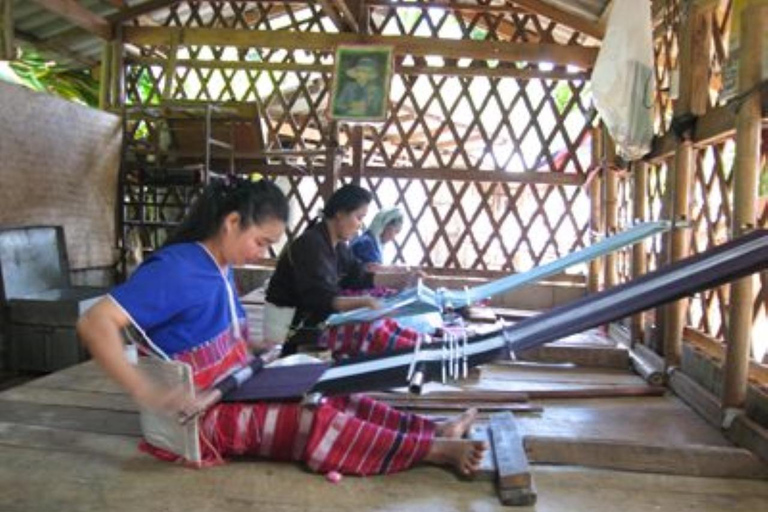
<point>689,460</point>
<point>80,16</point>
<point>602,357</point>
<point>404,45</point>
<point>60,439</point>
<point>515,485</point>
<point>466,395</point>
<point>71,418</point>
<point>748,434</point>
<point>701,400</point>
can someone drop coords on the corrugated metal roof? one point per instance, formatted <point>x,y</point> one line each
<point>77,47</point>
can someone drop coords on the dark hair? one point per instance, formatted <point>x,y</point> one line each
<point>256,202</point>
<point>347,199</point>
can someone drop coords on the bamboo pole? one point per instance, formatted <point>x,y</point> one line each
<point>639,262</point>
<point>331,162</point>
<point>596,209</point>
<point>117,75</point>
<point>105,77</point>
<point>745,196</point>
<point>611,211</point>
<point>170,66</point>
<point>674,317</point>
<point>357,154</point>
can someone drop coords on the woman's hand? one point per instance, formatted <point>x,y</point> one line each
<point>350,303</point>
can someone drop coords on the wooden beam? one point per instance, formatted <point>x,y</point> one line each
<point>578,23</point>
<point>80,16</point>
<point>716,125</point>
<point>450,174</point>
<point>404,45</point>
<point>7,50</point>
<point>497,72</point>
<point>689,460</point>
<point>700,400</point>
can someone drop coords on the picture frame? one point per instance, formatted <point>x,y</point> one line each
<point>362,76</point>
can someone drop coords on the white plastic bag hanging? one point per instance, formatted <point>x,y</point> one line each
<point>623,86</point>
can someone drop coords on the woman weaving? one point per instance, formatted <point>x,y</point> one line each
<point>181,299</point>
<point>318,275</point>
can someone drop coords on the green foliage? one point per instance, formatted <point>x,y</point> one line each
<point>764,181</point>
<point>41,74</point>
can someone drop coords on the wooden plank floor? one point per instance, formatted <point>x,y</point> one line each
<point>68,442</point>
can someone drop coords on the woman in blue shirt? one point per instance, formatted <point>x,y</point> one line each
<point>385,227</point>
<point>183,303</point>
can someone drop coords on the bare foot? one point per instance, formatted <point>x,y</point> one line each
<point>457,427</point>
<point>462,454</point>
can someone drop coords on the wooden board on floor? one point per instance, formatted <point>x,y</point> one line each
<point>688,460</point>
<point>514,482</point>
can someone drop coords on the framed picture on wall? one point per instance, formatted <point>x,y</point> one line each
<point>362,75</point>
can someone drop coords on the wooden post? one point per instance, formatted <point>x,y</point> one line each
<point>596,208</point>
<point>639,262</point>
<point>674,317</point>
<point>105,77</point>
<point>170,66</point>
<point>331,162</point>
<point>611,211</point>
<point>117,77</point>
<point>745,196</point>
<point>695,43</point>
<point>357,154</point>
<point>7,51</point>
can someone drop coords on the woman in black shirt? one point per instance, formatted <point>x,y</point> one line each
<point>313,270</point>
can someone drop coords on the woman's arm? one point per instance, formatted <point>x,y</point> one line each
<point>100,331</point>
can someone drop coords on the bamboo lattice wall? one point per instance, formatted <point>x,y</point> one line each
<point>712,184</point>
<point>485,157</point>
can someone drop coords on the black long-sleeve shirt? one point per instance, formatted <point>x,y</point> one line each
<point>311,273</point>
